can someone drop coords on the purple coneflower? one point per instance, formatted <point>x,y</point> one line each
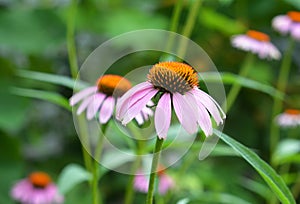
<point>165,182</point>
<point>257,43</point>
<point>36,189</point>
<point>102,98</point>
<point>289,23</point>
<point>177,86</point>
<point>289,118</point>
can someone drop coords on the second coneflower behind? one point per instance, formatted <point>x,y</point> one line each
<point>102,98</point>
<point>257,43</point>
<point>176,84</point>
<point>289,118</point>
<point>289,23</point>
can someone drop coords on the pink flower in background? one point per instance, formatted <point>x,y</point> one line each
<point>177,86</point>
<point>36,189</point>
<point>257,43</point>
<point>102,98</point>
<point>289,118</point>
<point>289,23</point>
<point>165,182</point>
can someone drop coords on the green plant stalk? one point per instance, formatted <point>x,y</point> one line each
<point>155,160</point>
<point>174,23</point>
<point>70,39</point>
<point>97,198</point>
<point>139,150</point>
<point>235,89</point>
<point>189,25</point>
<point>281,86</point>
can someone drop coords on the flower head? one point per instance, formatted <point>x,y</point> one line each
<point>177,86</point>
<point>289,118</point>
<point>289,23</point>
<point>102,97</point>
<point>38,188</point>
<point>165,182</point>
<point>257,43</point>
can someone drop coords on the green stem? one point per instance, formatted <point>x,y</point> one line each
<point>281,86</point>
<point>189,25</point>
<point>140,147</point>
<point>174,23</point>
<point>155,160</point>
<point>70,39</point>
<point>97,198</point>
<point>235,89</point>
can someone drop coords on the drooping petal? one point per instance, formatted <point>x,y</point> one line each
<point>295,31</point>
<point>106,110</point>
<point>165,183</point>
<point>203,118</point>
<point>186,113</point>
<point>162,116</point>
<point>139,119</point>
<point>137,106</point>
<point>135,92</point>
<point>84,104</point>
<point>210,104</point>
<point>282,24</point>
<point>94,105</point>
<point>82,94</point>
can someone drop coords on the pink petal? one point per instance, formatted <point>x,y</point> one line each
<point>165,183</point>
<point>82,94</point>
<point>139,119</point>
<point>107,110</point>
<point>95,105</point>
<point>186,113</point>
<point>126,100</point>
<point>210,104</point>
<point>84,104</point>
<point>137,106</point>
<point>163,116</point>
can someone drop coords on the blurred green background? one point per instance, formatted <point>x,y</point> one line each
<point>38,135</point>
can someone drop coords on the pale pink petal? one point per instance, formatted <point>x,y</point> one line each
<point>107,110</point>
<point>82,94</point>
<point>295,31</point>
<point>84,104</point>
<point>141,183</point>
<point>186,113</point>
<point>210,104</point>
<point>165,184</point>
<point>282,24</point>
<point>137,106</point>
<point>139,119</point>
<point>94,105</point>
<point>125,101</point>
<point>163,116</point>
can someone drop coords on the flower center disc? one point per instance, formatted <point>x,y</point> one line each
<point>39,179</point>
<point>292,111</point>
<point>113,85</point>
<point>258,36</point>
<point>294,15</point>
<point>173,77</point>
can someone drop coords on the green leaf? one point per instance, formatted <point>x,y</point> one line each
<point>213,20</point>
<point>72,175</point>
<point>295,3</point>
<point>287,151</point>
<point>274,181</point>
<point>44,95</point>
<point>214,197</point>
<point>257,188</point>
<point>229,78</point>
<point>52,78</point>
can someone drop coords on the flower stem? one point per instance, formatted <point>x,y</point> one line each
<point>189,25</point>
<point>281,86</point>
<point>174,23</point>
<point>97,199</point>
<point>155,159</point>
<point>70,39</point>
<point>235,89</point>
<point>139,150</point>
